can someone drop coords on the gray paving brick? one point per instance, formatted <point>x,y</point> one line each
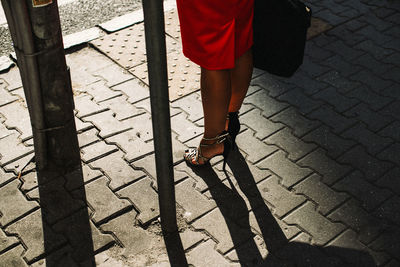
<point>309,85</point>
<point>134,239</point>
<point>392,110</point>
<point>320,228</point>
<point>81,176</point>
<point>205,254</point>
<point>5,176</point>
<point>133,89</point>
<point>375,121</point>
<point>370,166</point>
<point>330,170</point>
<point>297,122</point>
<point>30,230</point>
<point>142,126</point>
<point>85,105</point>
<point>390,209</point>
<point>117,170</point>
<point>271,84</point>
<point>316,52</point>
<point>369,62</point>
<point>312,68</point>
<point>390,180</point>
<point>193,202</point>
<point>369,195</point>
<point>96,151</point>
<point>326,198</point>
<point>371,80</point>
<point>18,165</point>
<point>367,226</point>
<point>17,117</point>
<point>88,137</point>
<point>330,17</point>
<point>337,80</point>
<point>301,101</point>
<point>6,242</point>
<point>131,144</point>
<point>113,74</point>
<point>344,50</point>
<point>281,199</point>
<point>377,51</point>
<point>392,59</point>
<point>373,34</point>
<point>350,38</point>
<point>122,109</point>
<point>369,97</point>
<point>254,248</point>
<point>220,228</point>
<point>29,181</point>
<point>393,263</point>
<point>388,241</point>
<point>340,66</point>
<point>392,75</point>
<point>254,148</point>
<point>5,96</point>
<point>61,257</point>
<point>12,79</point>
<point>267,104</point>
<point>262,126</point>
<point>104,202</point>
<point>295,147</point>
<point>191,104</point>
<point>13,257</point>
<point>13,204</point>
<point>185,129</point>
<point>289,172</point>
<point>331,118</point>
<point>371,141</point>
<point>144,198</point>
<point>337,100</point>
<point>82,126</point>
<point>108,124</point>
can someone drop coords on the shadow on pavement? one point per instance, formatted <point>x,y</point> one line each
<point>176,253</point>
<point>281,252</point>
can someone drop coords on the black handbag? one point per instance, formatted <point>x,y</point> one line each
<point>280,30</point>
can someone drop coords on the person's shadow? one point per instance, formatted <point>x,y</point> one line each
<point>281,252</point>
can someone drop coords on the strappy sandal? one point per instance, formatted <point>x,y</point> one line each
<point>233,126</point>
<point>193,155</point>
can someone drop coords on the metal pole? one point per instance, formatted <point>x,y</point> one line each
<point>158,81</point>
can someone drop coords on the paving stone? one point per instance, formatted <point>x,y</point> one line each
<point>144,198</point>
<point>301,101</point>
<point>295,147</point>
<point>13,257</point>
<point>12,78</point>
<point>100,91</point>
<point>86,106</point>
<point>131,144</point>
<point>330,170</point>
<point>29,181</point>
<point>184,128</point>
<point>88,137</point>
<point>389,180</point>
<point>273,86</point>
<point>108,124</point>
<point>30,230</point>
<point>390,209</point>
<point>134,90</point>
<point>348,36</point>
<point>190,238</point>
<point>262,126</point>
<point>289,172</point>
<point>193,202</point>
<point>338,81</point>
<point>297,122</point>
<point>337,100</point>
<point>320,228</point>
<point>133,238</point>
<point>19,165</point>
<point>371,141</point>
<point>375,121</point>
<point>326,198</point>
<point>311,68</point>
<point>252,252</point>
<point>123,21</point>
<point>254,148</point>
<point>391,154</point>
<point>191,104</point>
<point>61,257</point>
<point>226,232</point>
<point>81,37</point>
<point>377,51</point>
<point>331,118</point>
<point>81,176</point>
<point>344,50</point>
<point>6,242</point>
<point>267,104</point>
<point>96,151</point>
<point>375,35</point>
<point>351,214</point>
<point>5,96</point>
<point>122,109</point>
<point>82,126</point>
<point>113,74</point>
<point>388,241</point>
<point>14,205</point>
<point>341,68</point>
<point>281,199</point>
<point>103,201</point>
<point>348,240</point>
<point>371,80</point>
<point>205,254</point>
<point>392,110</point>
<point>142,125</point>
<point>17,116</point>
<point>369,166</point>
<point>319,54</point>
<point>5,63</point>
<point>392,75</point>
<point>5,176</point>
<point>377,67</point>
<point>369,97</point>
<point>117,170</point>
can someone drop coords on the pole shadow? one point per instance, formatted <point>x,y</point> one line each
<point>281,252</point>
<point>175,250</point>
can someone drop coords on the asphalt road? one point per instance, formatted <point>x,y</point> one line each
<point>76,15</point>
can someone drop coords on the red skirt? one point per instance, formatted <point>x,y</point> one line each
<point>216,32</point>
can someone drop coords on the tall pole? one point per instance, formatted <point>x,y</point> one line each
<point>158,81</point>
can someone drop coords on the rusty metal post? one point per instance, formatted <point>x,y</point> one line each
<point>158,80</point>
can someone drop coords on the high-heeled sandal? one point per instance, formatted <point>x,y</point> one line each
<point>233,127</point>
<point>192,155</point>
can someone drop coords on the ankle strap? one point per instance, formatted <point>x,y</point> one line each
<point>218,139</point>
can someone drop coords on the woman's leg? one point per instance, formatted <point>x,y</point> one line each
<point>240,80</point>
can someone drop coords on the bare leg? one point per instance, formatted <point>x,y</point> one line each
<point>240,79</point>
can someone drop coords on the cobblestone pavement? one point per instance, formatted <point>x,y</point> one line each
<point>315,182</point>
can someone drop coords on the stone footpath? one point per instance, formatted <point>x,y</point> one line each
<point>315,182</point>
